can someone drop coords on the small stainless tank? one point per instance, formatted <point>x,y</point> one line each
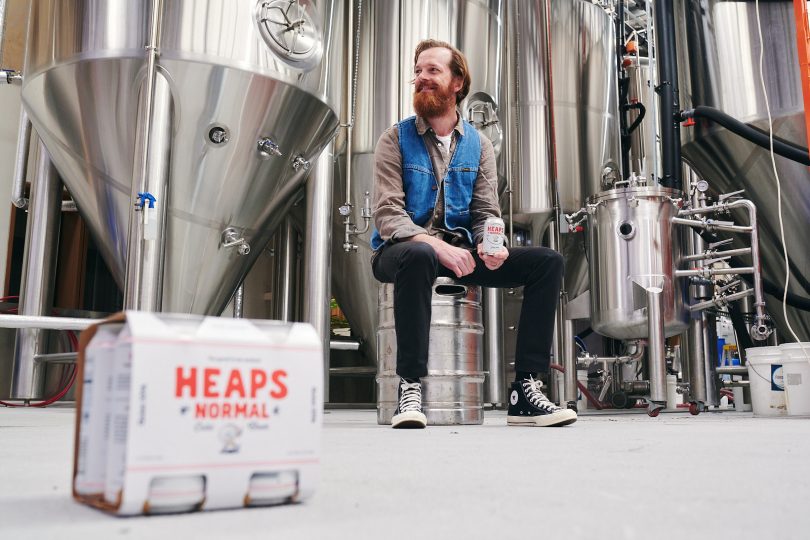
<point>453,391</point>
<point>631,238</point>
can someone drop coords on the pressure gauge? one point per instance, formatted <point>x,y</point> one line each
<point>289,29</point>
<point>702,186</point>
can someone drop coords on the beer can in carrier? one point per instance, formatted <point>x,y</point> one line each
<point>493,235</point>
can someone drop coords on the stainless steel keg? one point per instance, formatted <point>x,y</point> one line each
<point>453,391</point>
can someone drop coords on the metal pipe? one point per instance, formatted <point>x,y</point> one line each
<point>493,346</point>
<point>760,330</point>
<point>732,370</point>
<point>712,254</point>
<point>317,258</point>
<point>712,226</point>
<point>239,301</point>
<point>57,358</point>
<point>2,29</point>
<point>656,345</point>
<point>697,358</point>
<point>352,66</point>
<point>637,355</point>
<point>286,272</point>
<point>38,274</point>
<point>50,323</point>
<point>721,301</point>
<point>18,198</point>
<point>143,289</point>
<point>706,272</point>
<point>344,345</point>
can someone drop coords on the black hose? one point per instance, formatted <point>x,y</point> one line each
<point>670,125</point>
<point>786,149</point>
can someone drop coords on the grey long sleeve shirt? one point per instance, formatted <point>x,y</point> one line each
<point>390,217</point>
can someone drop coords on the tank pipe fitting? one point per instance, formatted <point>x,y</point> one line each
<point>708,272</point>
<point>353,64</point>
<point>231,238</point>
<point>721,300</point>
<point>635,356</point>
<point>761,328</point>
<point>713,253</point>
<point>351,229</point>
<point>712,225</point>
<point>9,76</point>
<point>18,198</point>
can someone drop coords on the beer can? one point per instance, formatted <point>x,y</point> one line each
<point>272,488</point>
<point>175,494</point>
<point>493,235</point>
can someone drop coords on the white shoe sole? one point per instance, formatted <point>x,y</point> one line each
<point>561,418</point>
<point>409,420</point>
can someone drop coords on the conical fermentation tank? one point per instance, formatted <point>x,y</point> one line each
<point>389,33</point>
<point>718,57</point>
<point>250,98</point>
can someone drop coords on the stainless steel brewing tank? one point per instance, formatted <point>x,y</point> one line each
<point>453,392</point>
<point>718,58</point>
<point>389,33</point>
<point>236,71</point>
<point>585,94</point>
<point>631,238</point>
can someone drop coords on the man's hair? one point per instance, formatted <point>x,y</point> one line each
<point>458,64</point>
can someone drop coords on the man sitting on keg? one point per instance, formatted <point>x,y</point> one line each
<point>435,186</point>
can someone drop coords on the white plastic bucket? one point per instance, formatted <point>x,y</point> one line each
<point>796,361</point>
<point>767,385</point>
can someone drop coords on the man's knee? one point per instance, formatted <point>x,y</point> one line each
<point>419,255</point>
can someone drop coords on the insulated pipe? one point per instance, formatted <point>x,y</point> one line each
<point>318,255</point>
<point>18,198</point>
<point>493,346</point>
<point>38,274</point>
<point>669,106</point>
<point>143,285</point>
<point>785,149</point>
<point>656,345</point>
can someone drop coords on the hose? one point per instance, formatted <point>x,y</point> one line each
<point>785,149</point>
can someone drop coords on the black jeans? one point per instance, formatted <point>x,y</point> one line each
<point>413,268</point>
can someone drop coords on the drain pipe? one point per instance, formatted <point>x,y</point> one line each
<point>317,253</point>
<point>18,198</point>
<point>39,272</point>
<point>143,288</point>
<point>353,64</point>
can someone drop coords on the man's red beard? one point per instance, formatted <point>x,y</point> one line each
<point>435,103</point>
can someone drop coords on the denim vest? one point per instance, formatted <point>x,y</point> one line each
<point>421,186</point>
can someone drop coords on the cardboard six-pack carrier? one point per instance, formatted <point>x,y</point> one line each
<point>180,412</point>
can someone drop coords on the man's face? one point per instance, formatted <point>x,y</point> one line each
<point>435,86</point>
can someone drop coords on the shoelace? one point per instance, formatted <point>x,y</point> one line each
<point>537,398</point>
<point>410,398</point>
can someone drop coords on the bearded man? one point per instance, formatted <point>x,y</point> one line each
<point>435,184</point>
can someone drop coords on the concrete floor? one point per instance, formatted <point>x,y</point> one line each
<point>626,476</point>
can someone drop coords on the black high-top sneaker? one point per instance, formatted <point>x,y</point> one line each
<point>528,406</point>
<point>409,412</point>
